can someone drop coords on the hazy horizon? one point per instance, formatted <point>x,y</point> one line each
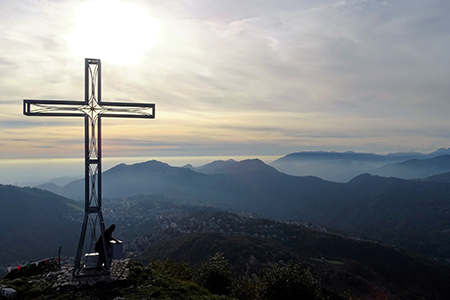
<point>31,172</point>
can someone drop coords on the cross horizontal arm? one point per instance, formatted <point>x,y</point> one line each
<point>127,110</point>
<point>73,108</point>
<point>58,108</point>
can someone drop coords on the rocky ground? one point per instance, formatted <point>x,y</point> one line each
<point>129,280</point>
<point>64,276</point>
<point>54,280</point>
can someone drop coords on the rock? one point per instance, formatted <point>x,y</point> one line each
<point>8,293</point>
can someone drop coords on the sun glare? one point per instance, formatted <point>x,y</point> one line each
<point>112,30</point>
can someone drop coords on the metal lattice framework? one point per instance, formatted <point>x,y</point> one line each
<point>93,109</point>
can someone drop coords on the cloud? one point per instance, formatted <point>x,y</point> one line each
<point>286,76</point>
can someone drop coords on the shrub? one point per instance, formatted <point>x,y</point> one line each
<point>215,275</point>
<point>180,271</point>
<point>245,288</point>
<point>290,282</point>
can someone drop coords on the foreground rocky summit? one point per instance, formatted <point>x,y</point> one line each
<point>128,280</point>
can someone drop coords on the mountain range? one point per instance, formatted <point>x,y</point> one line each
<point>409,213</point>
<point>343,166</point>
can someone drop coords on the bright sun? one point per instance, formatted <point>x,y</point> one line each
<point>113,31</point>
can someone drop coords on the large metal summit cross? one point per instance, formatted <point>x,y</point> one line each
<point>92,109</point>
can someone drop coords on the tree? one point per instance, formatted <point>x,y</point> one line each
<point>215,275</point>
<point>290,282</point>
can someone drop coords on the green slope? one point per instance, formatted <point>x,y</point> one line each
<point>35,223</point>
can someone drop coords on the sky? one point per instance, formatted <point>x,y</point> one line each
<point>248,78</point>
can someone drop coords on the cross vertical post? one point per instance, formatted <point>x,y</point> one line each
<point>92,109</point>
<point>92,162</point>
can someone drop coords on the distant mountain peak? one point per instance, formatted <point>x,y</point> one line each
<point>440,151</point>
<point>231,166</point>
<point>152,162</point>
<point>365,177</point>
<point>189,166</point>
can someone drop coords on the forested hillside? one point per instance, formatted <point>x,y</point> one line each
<point>250,245</point>
<point>160,228</point>
<point>35,223</point>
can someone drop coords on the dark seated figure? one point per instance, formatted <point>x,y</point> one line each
<point>99,245</point>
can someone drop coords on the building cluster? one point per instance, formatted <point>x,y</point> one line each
<point>145,223</point>
<point>162,222</point>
